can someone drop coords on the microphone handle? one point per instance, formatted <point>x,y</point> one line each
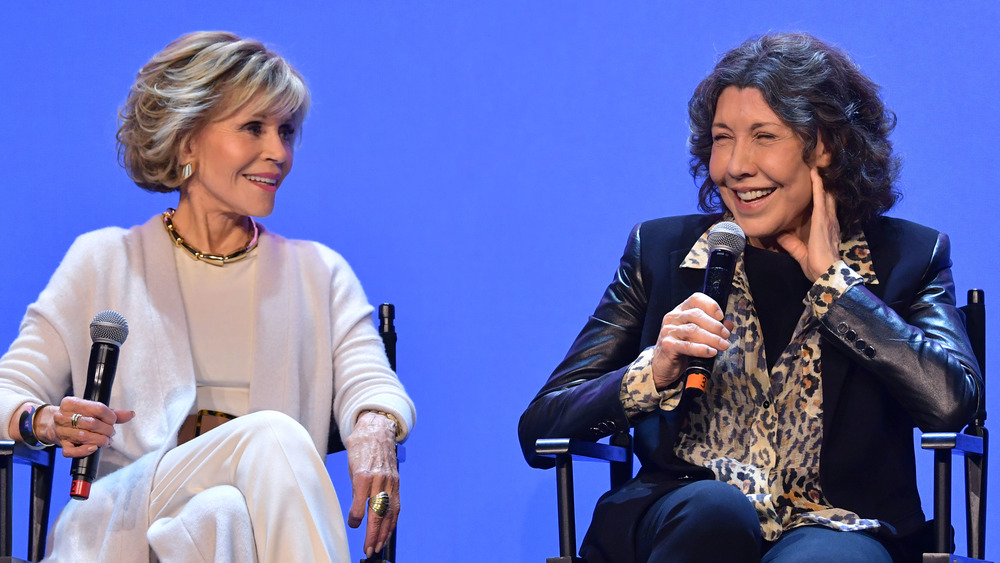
<point>718,283</point>
<point>100,376</point>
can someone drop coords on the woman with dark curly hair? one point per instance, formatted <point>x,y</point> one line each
<point>839,335</point>
<point>821,94</point>
<point>244,345</point>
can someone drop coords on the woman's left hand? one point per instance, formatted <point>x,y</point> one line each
<point>371,454</point>
<point>823,248</point>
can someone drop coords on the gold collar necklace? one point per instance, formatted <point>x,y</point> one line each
<point>213,259</point>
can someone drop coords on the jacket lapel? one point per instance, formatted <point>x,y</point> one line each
<point>165,321</point>
<point>274,332</point>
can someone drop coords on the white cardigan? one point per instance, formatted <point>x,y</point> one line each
<point>317,346</point>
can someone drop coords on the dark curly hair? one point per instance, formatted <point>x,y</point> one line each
<point>819,92</point>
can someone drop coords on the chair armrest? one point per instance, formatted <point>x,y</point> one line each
<point>961,442</point>
<point>972,444</point>
<point>582,449</point>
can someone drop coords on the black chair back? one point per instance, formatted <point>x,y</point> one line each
<point>973,444</point>
<point>975,468</point>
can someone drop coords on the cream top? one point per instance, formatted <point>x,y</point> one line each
<point>219,302</point>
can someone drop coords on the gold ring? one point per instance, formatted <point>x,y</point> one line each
<point>379,503</point>
<point>75,419</point>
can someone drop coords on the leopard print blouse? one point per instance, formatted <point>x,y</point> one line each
<point>761,431</point>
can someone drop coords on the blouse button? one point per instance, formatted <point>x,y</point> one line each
<point>842,328</point>
<point>869,352</point>
<point>850,335</point>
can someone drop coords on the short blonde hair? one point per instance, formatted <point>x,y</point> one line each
<point>199,77</point>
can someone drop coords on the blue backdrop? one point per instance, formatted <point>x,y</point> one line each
<point>480,164</point>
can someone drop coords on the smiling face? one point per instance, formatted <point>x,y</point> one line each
<point>239,162</point>
<point>757,164</point>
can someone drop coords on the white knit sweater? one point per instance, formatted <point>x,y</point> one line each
<point>316,346</point>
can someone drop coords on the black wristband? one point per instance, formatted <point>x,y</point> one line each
<point>26,426</point>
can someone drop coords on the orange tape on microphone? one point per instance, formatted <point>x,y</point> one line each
<point>696,384</point>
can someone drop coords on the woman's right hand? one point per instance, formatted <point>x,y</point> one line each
<point>94,427</point>
<point>695,328</point>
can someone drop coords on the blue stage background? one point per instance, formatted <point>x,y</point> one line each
<point>480,165</point>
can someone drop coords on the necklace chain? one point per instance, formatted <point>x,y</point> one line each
<point>213,259</point>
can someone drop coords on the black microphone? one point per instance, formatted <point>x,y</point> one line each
<point>725,241</point>
<point>108,331</point>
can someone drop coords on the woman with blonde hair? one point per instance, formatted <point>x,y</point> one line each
<point>242,343</point>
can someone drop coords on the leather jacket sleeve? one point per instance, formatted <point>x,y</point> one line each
<point>921,354</point>
<point>916,346</point>
<point>582,398</point>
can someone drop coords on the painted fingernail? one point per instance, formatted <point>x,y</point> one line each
<point>91,448</point>
<point>378,547</point>
<point>368,552</point>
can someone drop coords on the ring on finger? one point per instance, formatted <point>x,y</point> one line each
<point>379,503</point>
<point>75,420</point>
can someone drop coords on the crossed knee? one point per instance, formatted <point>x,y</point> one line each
<point>709,508</point>
<point>272,431</point>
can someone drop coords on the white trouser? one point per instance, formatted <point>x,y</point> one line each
<point>252,489</point>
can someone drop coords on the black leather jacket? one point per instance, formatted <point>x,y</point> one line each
<point>923,373</point>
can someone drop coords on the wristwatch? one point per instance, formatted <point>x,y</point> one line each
<point>26,426</point>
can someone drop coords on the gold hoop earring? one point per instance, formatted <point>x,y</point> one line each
<point>186,171</point>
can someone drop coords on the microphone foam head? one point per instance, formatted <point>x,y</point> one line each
<point>727,236</point>
<point>109,327</point>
